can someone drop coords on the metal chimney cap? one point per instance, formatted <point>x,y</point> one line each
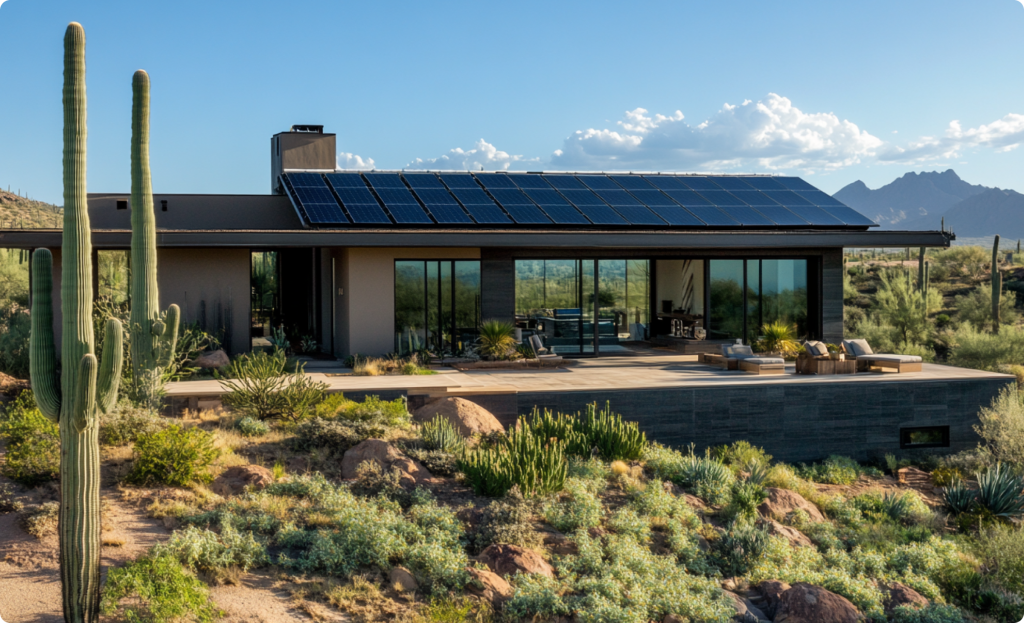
<point>310,129</point>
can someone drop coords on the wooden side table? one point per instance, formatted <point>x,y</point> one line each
<point>831,366</point>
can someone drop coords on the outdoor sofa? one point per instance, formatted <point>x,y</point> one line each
<point>742,357</point>
<point>866,359</point>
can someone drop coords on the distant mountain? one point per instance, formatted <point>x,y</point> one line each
<point>991,212</point>
<point>914,201</point>
<point>18,212</point>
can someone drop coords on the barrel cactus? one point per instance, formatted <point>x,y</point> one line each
<point>997,285</point>
<point>72,396</point>
<point>153,335</point>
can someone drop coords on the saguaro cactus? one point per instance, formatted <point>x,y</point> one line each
<point>153,336</point>
<point>83,386</point>
<point>997,285</point>
<point>920,271</point>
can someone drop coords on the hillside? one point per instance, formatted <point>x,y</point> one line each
<point>992,212</point>
<point>914,201</point>
<point>19,212</point>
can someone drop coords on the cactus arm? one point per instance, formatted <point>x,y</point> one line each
<point>110,366</point>
<point>997,285</point>
<point>42,351</point>
<point>168,340</point>
<point>85,393</point>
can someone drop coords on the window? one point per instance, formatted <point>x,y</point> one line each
<point>122,204</point>
<point>265,293</point>
<point>437,305</point>
<point>924,437</point>
<point>748,294</point>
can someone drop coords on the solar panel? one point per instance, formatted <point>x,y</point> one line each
<point>803,208</point>
<point>763,204</point>
<point>529,181</point>
<point>746,215</point>
<point>556,207</point>
<point>422,180</point>
<point>732,183</point>
<point>721,198</point>
<point>305,180</point>
<point>598,182</point>
<point>519,206</point>
<point>442,206</point>
<point>629,208</point>
<point>591,205</point>
<point>385,180</point>
<point>631,182</point>
<point>355,195</point>
<point>399,201</point>
<point>459,180</point>
<point>566,182</point>
<point>495,180</point>
<point>346,180</point>
<point>666,182</point>
<point>713,216</point>
<point>687,198</point>
<point>481,207</point>
<point>836,208</point>
<point>358,201</point>
<point>315,199</point>
<point>764,183</point>
<point>697,182</point>
<point>396,195</point>
<point>795,183</point>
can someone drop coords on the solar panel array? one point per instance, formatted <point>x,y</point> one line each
<point>563,199</point>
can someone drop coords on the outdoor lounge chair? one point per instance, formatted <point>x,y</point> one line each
<point>540,351</point>
<point>866,359</point>
<point>740,357</point>
<point>813,351</point>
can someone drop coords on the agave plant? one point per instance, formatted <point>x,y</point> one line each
<point>896,506</point>
<point>757,472</point>
<point>1001,492</point>
<point>778,337</point>
<point>958,498</point>
<point>497,339</point>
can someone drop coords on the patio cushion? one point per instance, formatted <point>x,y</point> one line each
<point>857,348</point>
<point>764,360</point>
<point>893,358</point>
<point>815,348</point>
<point>737,351</point>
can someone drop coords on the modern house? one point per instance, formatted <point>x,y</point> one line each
<point>593,263</point>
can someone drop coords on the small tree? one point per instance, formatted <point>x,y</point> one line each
<point>904,307</point>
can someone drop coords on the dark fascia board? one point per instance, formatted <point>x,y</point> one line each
<point>28,238</point>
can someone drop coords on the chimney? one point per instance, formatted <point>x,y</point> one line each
<point>304,148</point>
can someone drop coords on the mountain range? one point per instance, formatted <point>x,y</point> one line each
<point>921,201</point>
<point>20,212</point>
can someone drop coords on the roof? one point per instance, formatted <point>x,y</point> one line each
<point>583,200</point>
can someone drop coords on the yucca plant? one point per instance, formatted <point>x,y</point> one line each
<point>440,434</point>
<point>758,472</point>
<point>896,506</point>
<point>524,458</point>
<point>778,337</point>
<point>497,339</point>
<point>1001,492</point>
<point>958,498</point>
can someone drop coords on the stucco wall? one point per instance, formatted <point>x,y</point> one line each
<point>365,312</point>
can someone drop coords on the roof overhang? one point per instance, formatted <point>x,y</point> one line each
<point>741,239</point>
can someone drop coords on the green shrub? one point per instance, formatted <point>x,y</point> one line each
<point>524,458</point>
<point>441,434</point>
<point>981,350</point>
<point>174,456</point>
<point>959,498</point>
<point>33,443</point>
<point>578,507</point>
<point>41,520</point>
<point>457,610</point>
<point>496,339</point>
<point>126,423</point>
<point>7,502</point>
<point>15,324</point>
<point>602,431</point>
<point>159,590</point>
<point>741,545</point>
<point>835,470</point>
<point>251,427</point>
<point>205,550</point>
<point>373,410</point>
<point>335,434</point>
<point>1001,548</point>
<point>706,478</point>
<point>437,462</point>
<point>627,521</point>
<point>976,307</point>
<point>742,455</point>
<point>933,613</point>
<point>1002,426</point>
<point>1001,493</point>
<point>945,476</point>
<point>260,388</point>
<point>745,497</point>
<point>508,520</point>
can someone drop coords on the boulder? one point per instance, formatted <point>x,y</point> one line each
<point>488,585</point>
<point>804,603</point>
<point>402,580</point>
<point>387,457</point>
<point>782,502</point>
<point>746,612</point>
<point>235,479</point>
<point>771,591</point>
<point>897,595</point>
<point>466,416</point>
<point>794,536</point>
<point>213,359</point>
<point>506,560</point>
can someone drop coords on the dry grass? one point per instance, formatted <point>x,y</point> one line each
<point>41,521</point>
<point>369,367</point>
<point>113,539</point>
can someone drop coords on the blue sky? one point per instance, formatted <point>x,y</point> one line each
<point>832,91</point>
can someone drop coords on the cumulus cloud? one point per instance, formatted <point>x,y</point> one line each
<point>770,134</point>
<point>350,161</point>
<point>1001,135</point>
<point>483,155</point>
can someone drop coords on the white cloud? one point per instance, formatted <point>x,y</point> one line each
<point>770,134</point>
<point>483,155</point>
<point>350,161</point>
<point>1001,135</point>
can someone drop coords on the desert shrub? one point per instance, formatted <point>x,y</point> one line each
<point>372,480</point>
<point>627,521</point>
<point>737,549</point>
<point>33,442</point>
<point>959,499</point>
<point>372,410</point>
<point>707,478</point>
<point>206,550</point>
<point>260,387</point>
<point>174,456</point>
<point>599,430</point>
<point>334,434</point>
<point>742,455</point>
<point>508,520</point>
<point>904,307</point>
<point>441,434</point>
<point>891,506</point>
<point>251,427</point>
<point>982,350</point>
<point>7,502</point>
<point>578,507</point>
<point>523,457</point>
<point>1001,548</point>
<point>964,261</point>
<point>437,462</point>
<point>41,520</point>
<point>192,342</point>
<point>457,610</point>
<point>15,324</point>
<point>126,423</point>
<point>745,497</point>
<point>945,476</point>
<point>835,470</point>
<point>1001,493</point>
<point>933,613</point>
<point>976,307</point>
<point>537,596</point>
<point>156,589</point>
<point>1002,426</point>
<point>496,339</point>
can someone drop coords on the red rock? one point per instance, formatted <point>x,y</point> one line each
<point>403,580</point>
<point>794,536</point>
<point>781,502</point>
<point>772,591</point>
<point>897,595</point>
<point>387,457</point>
<point>804,603</point>
<point>506,560</point>
<point>488,585</point>
<point>234,479</point>
<point>466,416</point>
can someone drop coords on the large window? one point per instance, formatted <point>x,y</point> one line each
<point>437,305</point>
<point>745,295</point>
<point>265,293</point>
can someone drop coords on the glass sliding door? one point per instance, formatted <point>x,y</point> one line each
<point>410,306</point>
<point>784,293</point>
<point>726,299</point>
<point>745,295</point>
<point>437,305</point>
